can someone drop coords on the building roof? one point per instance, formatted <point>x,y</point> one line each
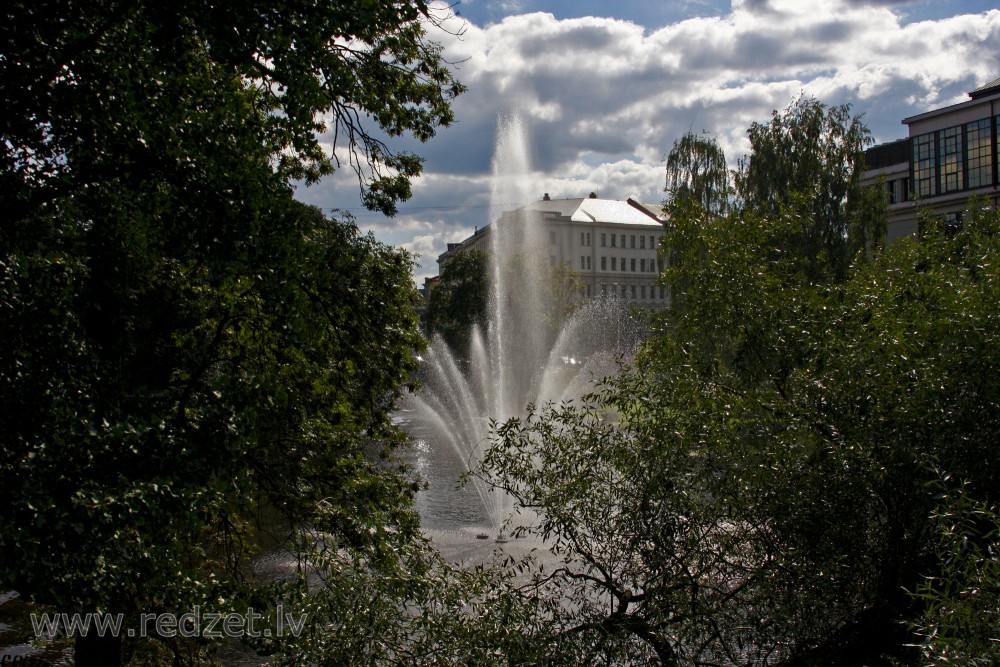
<point>591,209</point>
<point>886,155</point>
<point>986,89</point>
<point>612,211</point>
<point>563,207</point>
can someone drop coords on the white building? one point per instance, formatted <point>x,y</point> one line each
<point>613,245</point>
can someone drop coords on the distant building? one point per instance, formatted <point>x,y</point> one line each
<point>611,244</point>
<point>950,156</point>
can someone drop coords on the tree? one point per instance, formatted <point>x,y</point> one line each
<point>962,614</point>
<point>150,67</point>
<point>696,169</point>
<point>810,159</point>
<point>458,303</point>
<point>765,485</point>
<point>187,350</point>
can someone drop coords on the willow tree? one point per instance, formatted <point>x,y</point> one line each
<point>186,349</point>
<point>697,170</point>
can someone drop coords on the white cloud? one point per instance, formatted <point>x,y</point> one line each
<point>604,99</point>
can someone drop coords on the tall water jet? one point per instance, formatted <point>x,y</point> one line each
<point>522,356</point>
<point>517,266</point>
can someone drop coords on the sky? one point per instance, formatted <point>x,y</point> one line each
<point>603,89</point>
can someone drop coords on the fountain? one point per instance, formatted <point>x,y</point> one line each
<point>521,357</point>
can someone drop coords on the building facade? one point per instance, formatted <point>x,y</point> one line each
<point>949,156</point>
<point>612,245</point>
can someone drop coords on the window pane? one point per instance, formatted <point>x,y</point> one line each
<point>950,162</point>
<point>924,166</point>
<point>979,152</point>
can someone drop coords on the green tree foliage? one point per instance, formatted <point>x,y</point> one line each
<point>187,351</point>
<point>696,169</point>
<point>103,90</point>
<point>764,486</point>
<point>808,161</point>
<point>458,303</point>
<point>962,614</point>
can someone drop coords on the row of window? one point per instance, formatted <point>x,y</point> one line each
<point>645,265</point>
<point>617,240</point>
<point>641,292</point>
<point>963,157</point>
<point>620,238</point>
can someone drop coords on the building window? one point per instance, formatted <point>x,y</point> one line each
<point>583,239</point>
<point>623,264</point>
<point>623,240</point>
<point>588,262</point>
<point>633,240</point>
<point>924,173</point>
<point>652,242</point>
<point>633,264</point>
<point>643,288</point>
<point>604,263</point>
<point>979,152</point>
<point>642,265</point>
<point>614,263</point>
<point>613,237</point>
<point>642,242</point>
<point>588,239</point>
<point>950,161</point>
<point>583,262</point>
<point>552,238</point>
<point>604,238</point>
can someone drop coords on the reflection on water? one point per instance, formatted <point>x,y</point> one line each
<point>445,504</point>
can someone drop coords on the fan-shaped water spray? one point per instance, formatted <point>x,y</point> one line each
<point>522,356</point>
